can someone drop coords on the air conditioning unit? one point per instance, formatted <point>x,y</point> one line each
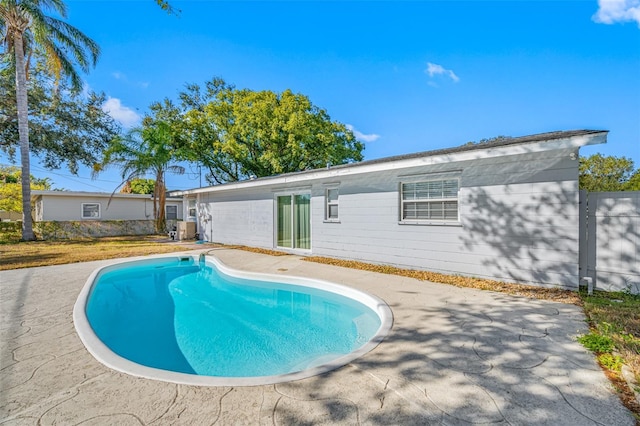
<point>186,230</point>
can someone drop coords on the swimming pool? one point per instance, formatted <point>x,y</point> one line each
<point>196,321</point>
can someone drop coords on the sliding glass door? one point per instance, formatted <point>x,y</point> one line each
<point>294,221</point>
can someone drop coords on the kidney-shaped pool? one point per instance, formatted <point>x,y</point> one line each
<point>195,321</point>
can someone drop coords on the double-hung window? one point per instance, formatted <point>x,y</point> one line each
<point>171,212</point>
<point>91,210</point>
<point>430,201</point>
<point>331,208</point>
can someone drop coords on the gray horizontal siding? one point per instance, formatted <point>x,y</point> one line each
<point>614,240</point>
<point>242,218</point>
<point>524,230</point>
<point>518,220</point>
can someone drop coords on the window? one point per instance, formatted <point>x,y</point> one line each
<point>191,212</point>
<point>331,210</point>
<point>171,212</point>
<point>430,201</point>
<point>90,210</point>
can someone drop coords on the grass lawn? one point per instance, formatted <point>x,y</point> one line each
<point>45,253</point>
<point>614,318</point>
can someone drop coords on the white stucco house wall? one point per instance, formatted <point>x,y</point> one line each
<point>504,210</point>
<point>101,206</point>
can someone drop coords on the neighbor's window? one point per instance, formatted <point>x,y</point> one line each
<point>191,208</point>
<point>331,211</point>
<point>435,200</point>
<point>171,212</point>
<point>90,210</point>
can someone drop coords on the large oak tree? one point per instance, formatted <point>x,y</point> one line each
<point>239,133</point>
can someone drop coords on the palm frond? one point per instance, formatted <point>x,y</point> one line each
<point>175,169</point>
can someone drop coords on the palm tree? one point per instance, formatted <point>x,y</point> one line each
<point>143,150</point>
<point>26,31</point>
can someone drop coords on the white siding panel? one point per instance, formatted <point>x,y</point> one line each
<point>241,219</point>
<point>523,231</point>
<point>518,220</point>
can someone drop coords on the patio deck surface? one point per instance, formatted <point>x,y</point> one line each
<point>454,356</point>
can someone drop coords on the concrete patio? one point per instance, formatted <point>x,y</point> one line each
<point>454,356</point>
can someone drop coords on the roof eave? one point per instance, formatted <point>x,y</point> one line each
<point>569,142</point>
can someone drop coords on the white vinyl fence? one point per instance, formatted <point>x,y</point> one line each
<point>610,240</point>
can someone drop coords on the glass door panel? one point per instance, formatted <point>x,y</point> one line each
<point>294,221</point>
<point>302,221</point>
<point>285,224</point>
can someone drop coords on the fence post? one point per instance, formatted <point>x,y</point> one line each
<point>583,242</point>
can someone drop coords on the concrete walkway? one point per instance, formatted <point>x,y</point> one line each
<point>454,356</point>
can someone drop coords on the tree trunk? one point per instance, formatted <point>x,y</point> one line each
<point>23,132</point>
<point>160,196</point>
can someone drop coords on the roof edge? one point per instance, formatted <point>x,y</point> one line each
<point>538,142</point>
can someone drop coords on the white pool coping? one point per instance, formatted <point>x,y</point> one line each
<point>106,356</point>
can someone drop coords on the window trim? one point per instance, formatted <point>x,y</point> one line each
<point>425,179</point>
<point>328,204</point>
<point>90,217</point>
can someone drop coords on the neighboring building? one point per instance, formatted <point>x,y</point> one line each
<point>82,206</point>
<point>505,210</point>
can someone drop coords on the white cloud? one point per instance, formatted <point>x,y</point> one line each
<point>122,114</point>
<point>612,11</point>
<point>436,70</point>
<point>118,75</point>
<point>361,136</point>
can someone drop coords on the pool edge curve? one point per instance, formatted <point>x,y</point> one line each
<point>107,357</point>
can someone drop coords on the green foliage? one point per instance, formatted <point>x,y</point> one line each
<point>500,138</point>
<point>599,174</point>
<point>10,232</point>
<point>633,184</point>
<point>610,361</point>
<point>139,186</point>
<point>66,127</point>
<point>166,6</point>
<point>146,149</point>
<point>236,134</point>
<point>11,188</point>
<point>596,343</point>
<point>31,36</point>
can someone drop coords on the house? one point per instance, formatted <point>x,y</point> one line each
<point>505,210</point>
<point>69,214</point>
<point>76,206</point>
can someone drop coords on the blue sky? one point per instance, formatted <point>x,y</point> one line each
<point>407,76</point>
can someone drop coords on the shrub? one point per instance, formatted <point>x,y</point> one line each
<point>596,343</point>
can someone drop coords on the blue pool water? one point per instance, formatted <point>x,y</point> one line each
<point>186,317</point>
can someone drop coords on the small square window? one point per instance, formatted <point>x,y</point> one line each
<point>90,210</point>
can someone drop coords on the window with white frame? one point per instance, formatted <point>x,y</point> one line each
<point>91,210</point>
<point>430,200</point>
<point>191,208</point>
<point>171,212</point>
<point>331,208</point>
